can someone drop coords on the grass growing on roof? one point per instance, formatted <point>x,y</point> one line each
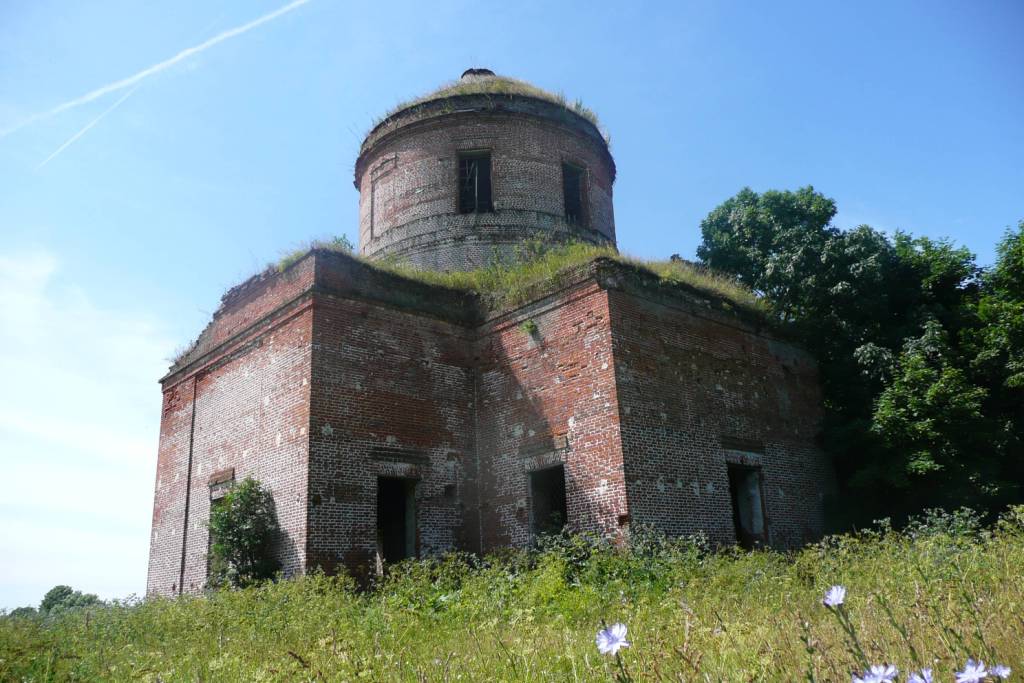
<point>495,85</point>
<point>517,282</point>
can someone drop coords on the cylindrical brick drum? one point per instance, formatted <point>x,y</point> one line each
<point>477,171</point>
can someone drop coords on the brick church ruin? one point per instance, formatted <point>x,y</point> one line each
<point>392,418</point>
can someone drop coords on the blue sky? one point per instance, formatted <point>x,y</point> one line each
<point>115,248</point>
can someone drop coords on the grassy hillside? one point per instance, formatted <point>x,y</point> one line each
<point>934,595</point>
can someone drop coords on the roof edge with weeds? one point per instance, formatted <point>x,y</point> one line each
<point>496,85</point>
<point>538,271</point>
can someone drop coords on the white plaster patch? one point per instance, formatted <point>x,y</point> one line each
<point>572,422</point>
<point>604,366</point>
<point>628,410</point>
<point>277,440</point>
<point>660,483</point>
<point>327,430</point>
<point>695,485</point>
<point>517,430</point>
<point>519,395</point>
<point>710,488</point>
<point>532,433</point>
<point>391,439</point>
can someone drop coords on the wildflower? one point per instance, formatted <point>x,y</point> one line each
<point>835,596</point>
<point>882,673</point>
<point>610,639</point>
<point>924,677</point>
<point>974,672</point>
<point>1000,671</point>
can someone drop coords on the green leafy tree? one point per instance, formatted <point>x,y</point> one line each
<point>62,598</point>
<point>243,528</point>
<point>874,309</point>
<point>930,416</point>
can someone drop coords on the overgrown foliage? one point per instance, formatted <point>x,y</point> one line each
<point>943,590</point>
<point>243,528</point>
<point>921,351</point>
<point>538,269</point>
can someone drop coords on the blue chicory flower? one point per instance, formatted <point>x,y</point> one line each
<point>611,639</point>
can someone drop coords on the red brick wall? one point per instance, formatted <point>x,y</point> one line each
<point>366,375</point>
<point>252,415</point>
<point>697,389</point>
<point>392,396</point>
<point>169,497</point>
<point>533,390</point>
<point>408,201</point>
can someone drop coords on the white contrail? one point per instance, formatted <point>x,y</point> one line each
<point>156,68</point>
<point>89,125</point>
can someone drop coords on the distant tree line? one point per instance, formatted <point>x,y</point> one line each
<point>921,351</point>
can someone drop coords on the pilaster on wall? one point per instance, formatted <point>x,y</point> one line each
<point>546,395</point>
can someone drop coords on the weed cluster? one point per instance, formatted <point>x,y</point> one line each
<point>929,599</point>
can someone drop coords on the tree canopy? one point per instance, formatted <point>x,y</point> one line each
<point>921,352</point>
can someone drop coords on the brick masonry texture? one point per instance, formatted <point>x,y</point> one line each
<point>643,394</point>
<point>325,376</point>
<point>407,176</point>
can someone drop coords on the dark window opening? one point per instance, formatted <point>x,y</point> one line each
<point>475,183</point>
<point>572,186</point>
<point>547,495</point>
<point>747,506</point>
<point>396,518</point>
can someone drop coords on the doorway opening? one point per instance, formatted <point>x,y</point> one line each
<point>547,495</point>
<point>396,518</point>
<point>747,506</point>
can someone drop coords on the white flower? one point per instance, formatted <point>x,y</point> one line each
<point>1000,671</point>
<point>610,639</point>
<point>835,596</point>
<point>924,677</point>
<point>974,672</point>
<point>880,673</point>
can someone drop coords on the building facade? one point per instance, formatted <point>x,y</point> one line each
<point>392,418</point>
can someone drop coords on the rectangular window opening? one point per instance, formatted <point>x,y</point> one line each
<point>572,186</point>
<point>396,518</point>
<point>475,182</point>
<point>547,496</point>
<point>747,506</point>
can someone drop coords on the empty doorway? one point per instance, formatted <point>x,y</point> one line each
<point>396,518</point>
<point>747,506</point>
<point>547,496</point>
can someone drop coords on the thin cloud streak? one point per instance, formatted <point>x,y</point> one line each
<point>70,141</point>
<point>156,68</point>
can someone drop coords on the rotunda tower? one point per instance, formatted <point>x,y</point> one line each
<point>469,172</point>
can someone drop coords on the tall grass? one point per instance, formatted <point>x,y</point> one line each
<point>932,596</point>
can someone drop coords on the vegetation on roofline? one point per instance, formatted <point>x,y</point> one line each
<point>537,268</point>
<point>496,85</point>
